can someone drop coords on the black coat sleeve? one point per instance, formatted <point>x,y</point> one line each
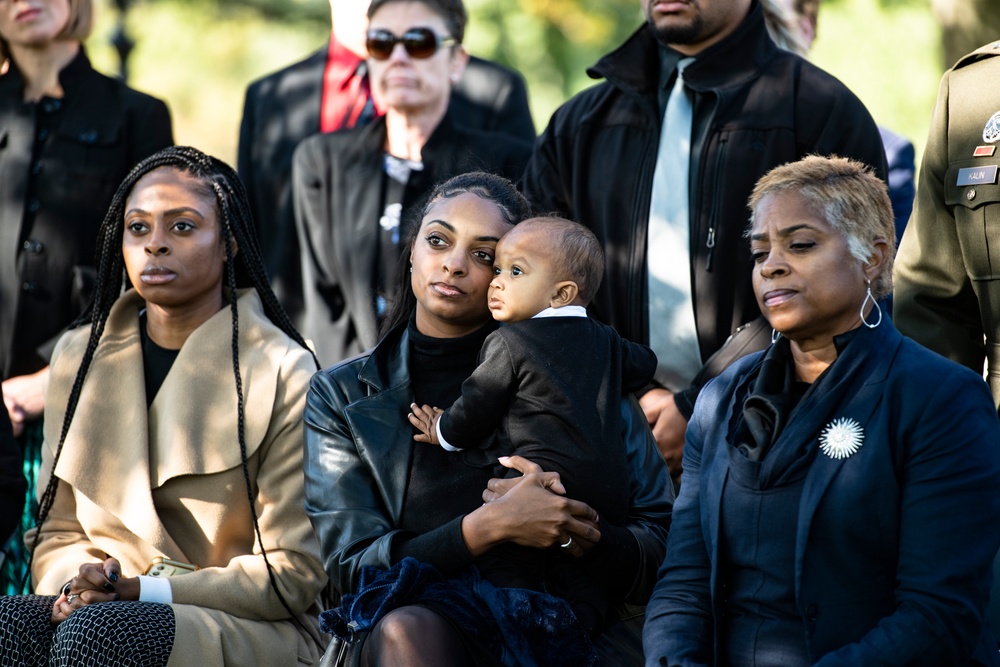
<point>638,366</point>
<point>631,555</point>
<point>485,399</point>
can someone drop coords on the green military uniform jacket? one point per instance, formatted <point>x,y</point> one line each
<point>947,275</point>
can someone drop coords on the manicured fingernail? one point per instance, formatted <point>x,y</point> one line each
<point>109,588</point>
<point>503,458</point>
<point>113,576</point>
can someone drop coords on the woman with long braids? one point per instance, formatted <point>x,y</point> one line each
<point>68,136</point>
<point>171,529</point>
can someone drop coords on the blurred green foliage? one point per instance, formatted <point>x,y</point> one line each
<point>552,42</point>
<point>888,52</point>
<point>200,55</point>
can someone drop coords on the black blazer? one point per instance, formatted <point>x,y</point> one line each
<point>283,108</point>
<point>52,203</point>
<point>338,203</point>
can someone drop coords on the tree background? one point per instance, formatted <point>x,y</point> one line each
<point>199,55</point>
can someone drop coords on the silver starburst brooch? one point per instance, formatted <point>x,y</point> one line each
<point>841,438</point>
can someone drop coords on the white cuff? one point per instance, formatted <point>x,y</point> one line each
<point>155,589</point>
<point>447,446</point>
<point>564,311</point>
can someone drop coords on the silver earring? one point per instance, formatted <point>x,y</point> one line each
<point>869,297</point>
<point>775,335</point>
<point>411,269</point>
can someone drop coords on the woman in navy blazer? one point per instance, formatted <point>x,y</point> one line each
<point>840,493</point>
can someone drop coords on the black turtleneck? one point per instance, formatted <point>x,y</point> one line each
<point>156,361</point>
<point>438,367</point>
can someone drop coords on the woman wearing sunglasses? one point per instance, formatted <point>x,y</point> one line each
<point>351,188</point>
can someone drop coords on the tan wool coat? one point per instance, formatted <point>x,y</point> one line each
<point>136,483</point>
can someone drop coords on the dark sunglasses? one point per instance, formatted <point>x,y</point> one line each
<point>418,42</point>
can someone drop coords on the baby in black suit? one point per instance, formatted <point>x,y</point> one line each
<point>548,388</point>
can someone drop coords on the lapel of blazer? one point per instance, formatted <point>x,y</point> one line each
<point>356,225</point>
<point>384,436</point>
<point>715,486</point>
<point>718,473</point>
<point>858,402</point>
<point>442,158</point>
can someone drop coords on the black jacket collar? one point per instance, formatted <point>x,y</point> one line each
<point>634,67</point>
<point>442,139</point>
<point>388,363</point>
<point>71,77</point>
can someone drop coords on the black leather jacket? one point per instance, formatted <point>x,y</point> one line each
<point>359,449</point>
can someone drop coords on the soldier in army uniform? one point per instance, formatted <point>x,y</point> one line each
<point>947,274</point>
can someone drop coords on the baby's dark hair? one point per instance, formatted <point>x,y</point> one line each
<point>244,268</point>
<point>501,191</point>
<point>576,250</point>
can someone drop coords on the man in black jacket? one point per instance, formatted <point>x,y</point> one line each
<point>752,107</point>
<point>287,106</point>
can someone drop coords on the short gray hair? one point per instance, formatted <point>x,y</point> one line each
<point>851,198</point>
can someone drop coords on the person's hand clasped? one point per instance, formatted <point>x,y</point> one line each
<point>668,425</point>
<point>539,514</point>
<point>498,486</point>
<point>424,418</point>
<point>97,582</point>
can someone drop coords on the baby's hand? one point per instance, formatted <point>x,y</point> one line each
<point>425,418</point>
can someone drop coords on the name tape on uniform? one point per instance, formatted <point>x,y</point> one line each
<point>977,175</point>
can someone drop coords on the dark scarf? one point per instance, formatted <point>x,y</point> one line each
<point>774,397</point>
